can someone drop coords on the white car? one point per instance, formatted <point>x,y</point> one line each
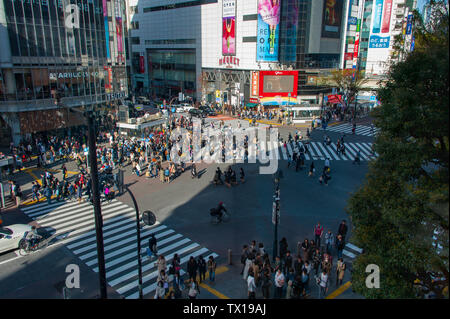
<point>186,107</point>
<point>10,236</point>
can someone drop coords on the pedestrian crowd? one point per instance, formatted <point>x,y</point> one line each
<point>291,274</point>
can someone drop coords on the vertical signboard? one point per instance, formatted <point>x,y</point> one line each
<point>331,20</point>
<point>378,12</point>
<point>409,24</point>
<point>255,83</point>
<point>141,63</point>
<point>105,18</point>
<point>386,16</point>
<point>358,31</point>
<point>229,27</point>
<point>119,32</point>
<point>268,30</point>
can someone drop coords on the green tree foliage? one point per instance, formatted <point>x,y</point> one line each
<point>400,215</point>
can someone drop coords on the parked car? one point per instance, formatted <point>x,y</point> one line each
<point>186,107</point>
<point>208,110</point>
<point>10,236</point>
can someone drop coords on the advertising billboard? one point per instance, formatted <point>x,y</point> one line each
<point>378,12</point>
<point>268,30</point>
<point>119,32</point>
<point>386,16</point>
<point>105,18</point>
<point>278,87</point>
<point>409,24</point>
<point>229,27</point>
<point>331,19</point>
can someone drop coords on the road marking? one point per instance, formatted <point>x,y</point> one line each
<point>351,246</point>
<point>349,254</point>
<point>339,291</point>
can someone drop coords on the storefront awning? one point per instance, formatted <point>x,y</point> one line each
<point>251,105</point>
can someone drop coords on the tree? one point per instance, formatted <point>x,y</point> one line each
<point>400,215</point>
<point>348,82</point>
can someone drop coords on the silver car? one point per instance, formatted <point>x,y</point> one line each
<point>10,236</point>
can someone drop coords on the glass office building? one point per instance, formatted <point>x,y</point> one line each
<point>59,48</point>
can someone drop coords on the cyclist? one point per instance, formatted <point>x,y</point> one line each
<point>218,211</point>
<point>32,237</point>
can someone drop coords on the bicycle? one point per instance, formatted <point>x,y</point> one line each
<point>216,220</point>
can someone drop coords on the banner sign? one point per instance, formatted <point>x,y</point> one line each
<point>377,42</point>
<point>386,16</point>
<point>268,30</point>
<point>412,43</point>
<point>141,64</point>
<point>352,20</point>
<point>289,52</point>
<point>409,24</point>
<point>376,25</point>
<point>331,19</point>
<point>229,27</point>
<point>255,84</point>
<point>348,56</point>
<point>105,18</point>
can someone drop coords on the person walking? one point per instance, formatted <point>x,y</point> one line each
<point>340,272</point>
<point>289,290</point>
<point>311,169</point>
<point>48,194</point>
<point>161,263</point>
<point>248,265</point>
<point>329,241</point>
<point>279,284</point>
<point>340,245</point>
<point>192,267</point>
<point>194,288</point>
<point>283,251</point>
<point>152,246</point>
<point>244,256</point>
<point>318,231</point>
<point>212,268</point>
<point>323,284</point>
<point>251,286</point>
<point>201,268</point>
<point>342,230</point>
<point>266,284</point>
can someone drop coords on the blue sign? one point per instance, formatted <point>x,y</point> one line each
<point>325,99</point>
<point>373,98</point>
<point>353,20</point>
<point>413,41</point>
<point>268,29</point>
<point>377,16</point>
<point>409,25</point>
<point>377,42</point>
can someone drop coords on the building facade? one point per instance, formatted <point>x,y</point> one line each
<point>209,49</point>
<point>70,50</point>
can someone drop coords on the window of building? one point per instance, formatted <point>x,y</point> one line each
<point>135,40</point>
<point>249,39</point>
<point>250,17</point>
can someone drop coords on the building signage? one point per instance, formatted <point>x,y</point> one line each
<point>348,56</point>
<point>229,60</point>
<point>409,24</point>
<point>229,27</point>
<point>105,18</point>
<point>376,25</point>
<point>386,16</point>
<point>352,20</point>
<point>331,19</point>
<point>255,84</point>
<point>141,63</point>
<point>278,87</point>
<point>377,42</point>
<point>72,75</point>
<point>113,96</point>
<point>268,30</point>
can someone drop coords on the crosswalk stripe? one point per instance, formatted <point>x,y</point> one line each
<point>51,212</point>
<point>46,207</point>
<point>343,157</point>
<point>316,149</point>
<point>356,148</point>
<point>353,247</point>
<point>289,147</point>
<point>87,210</point>
<point>324,151</point>
<point>132,247</point>
<point>347,129</point>
<point>275,150</point>
<point>364,150</point>
<point>349,254</point>
<point>349,149</point>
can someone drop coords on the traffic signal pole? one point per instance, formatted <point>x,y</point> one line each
<point>97,206</point>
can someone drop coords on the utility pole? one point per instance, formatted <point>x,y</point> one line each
<point>276,212</point>
<point>97,207</point>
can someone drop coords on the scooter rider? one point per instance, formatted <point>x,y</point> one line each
<point>32,236</point>
<point>218,211</point>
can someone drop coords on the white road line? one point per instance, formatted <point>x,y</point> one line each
<point>306,153</point>
<point>325,151</point>
<point>349,254</point>
<point>51,213</point>
<point>343,157</point>
<point>316,149</point>
<point>353,247</point>
<point>283,151</point>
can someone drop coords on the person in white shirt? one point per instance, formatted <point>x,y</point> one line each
<point>251,285</point>
<point>279,284</point>
<point>323,284</point>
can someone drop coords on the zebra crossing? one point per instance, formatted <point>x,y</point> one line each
<point>315,151</point>
<point>347,129</point>
<point>73,224</point>
<point>351,251</point>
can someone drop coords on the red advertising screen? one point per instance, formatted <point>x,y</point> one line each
<point>278,83</point>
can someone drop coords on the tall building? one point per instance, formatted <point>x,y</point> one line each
<point>215,50</point>
<point>72,50</point>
